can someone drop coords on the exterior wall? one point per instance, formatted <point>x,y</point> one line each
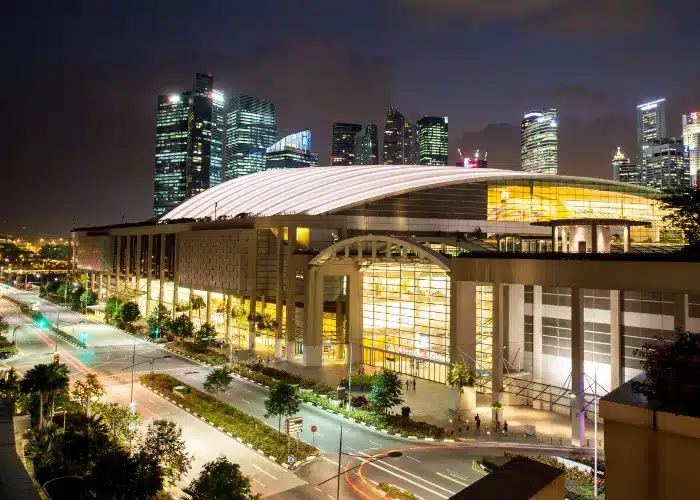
<point>94,253</point>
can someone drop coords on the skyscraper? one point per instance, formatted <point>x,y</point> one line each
<point>623,170</point>
<point>411,153</point>
<point>217,137</point>
<point>433,140</point>
<point>250,129</point>
<point>366,146</point>
<point>651,124</point>
<point>691,140</point>
<point>343,150</point>
<point>666,164</point>
<point>292,151</point>
<point>539,150</point>
<point>394,142</point>
<point>187,158</point>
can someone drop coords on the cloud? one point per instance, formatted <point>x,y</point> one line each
<point>479,10</point>
<point>575,99</point>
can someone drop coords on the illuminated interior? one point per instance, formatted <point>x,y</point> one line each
<point>406,318</point>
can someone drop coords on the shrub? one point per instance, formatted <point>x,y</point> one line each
<point>359,402</point>
<point>394,492</point>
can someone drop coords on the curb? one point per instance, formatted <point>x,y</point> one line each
<point>294,466</point>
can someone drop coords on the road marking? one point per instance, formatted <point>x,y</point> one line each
<point>436,493</point>
<point>247,390</point>
<point>456,475</point>
<point>262,470</point>
<point>408,456</point>
<point>319,489</point>
<point>319,434</point>
<point>258,482</point>
<point>374,443</point>
<point>245,401</point>
<point>332,498</point>
<point>329,460</point>
<point>450,479</point>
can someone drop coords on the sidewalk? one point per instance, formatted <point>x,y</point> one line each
<point>434,403</point>
<point>15,482</point>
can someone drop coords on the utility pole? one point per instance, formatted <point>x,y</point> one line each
<point>340,456</point>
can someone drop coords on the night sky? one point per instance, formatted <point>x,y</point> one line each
<point>80,82</point>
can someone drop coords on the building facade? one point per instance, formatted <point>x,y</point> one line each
<point>343,149</point>
<point>366,146</point>
<point>624,171</point>
<point>217,137</point>
<point>292,151</point>
<point>666,164</point>
<point>539,143</point>
<point>411,147</point>
<point>393,147</point>
<point>433,137</point>
<point>691,139</point>
<point>251,128</point>
<point>188,157</point>
<point>651,125</point>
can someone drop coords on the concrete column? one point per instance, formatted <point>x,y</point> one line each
<point>227,321</point>
<point>108,289</point>
<point>118,273</point>
<point>578,417</point>
<point>189,311</point>
<point>279,287</point>
<point>176,279</point>
<point>354,312</point>
<point>149,273</point>
<point>127,259</point>
<point>626,238</point>
<point>463,322</point>
<point>536,342</point>
<point>291,307</point>
<point>313,325</point>
<point>555,239</point>
<point>161,277</point>
<point>515,340</point>
<point>208,309</point>
<point>594,238</point>
<point>137,263</point>
<point>100,294</point>
<point>680,311</point>
<point>497,346</point>
<point>617,375</point>
<point>252,284</point>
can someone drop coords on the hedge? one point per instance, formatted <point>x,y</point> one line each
<point>249,429</point>
<point>394,492</point>
<point>209,356</point>
<point>273,373</point>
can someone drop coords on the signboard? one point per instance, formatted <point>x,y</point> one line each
<point>132,407</point>
<point>294,425</point>
<point>290,459</point>
<point>314,428</point>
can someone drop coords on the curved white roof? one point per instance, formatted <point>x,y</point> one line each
<point>320,190</point>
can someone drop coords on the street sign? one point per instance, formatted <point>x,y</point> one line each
<point>132,407</point>
<point>294,425</point>
<point>314,428</point>
<point>83,337</point>
<point>56,358</point>
<point>290,459</point>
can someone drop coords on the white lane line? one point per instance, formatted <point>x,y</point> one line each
<point>319,489</point>
<point>329,460</point>
<point>436,493</point>
<point>247,390</point>
<point>408,456</point>
<point>258,482</point>
<point>376,444</point>
<point>456,475</point>
<point>262,470</point>
<point>245,401</point>
<point>319,434</point>
<point>451,479</point>
<point>332,498</point>
<point>351,448</point>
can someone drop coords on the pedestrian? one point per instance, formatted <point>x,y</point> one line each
<point>505,426</point>
<point>407,384</point>
<point>414,385</point>
<point>478,422</point>
<point>498,425</point>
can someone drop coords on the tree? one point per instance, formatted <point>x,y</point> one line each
<point>221,480</point>
<point>55,252</point>
<point>52,287</point>
<point>205,334</point>
<point>88,298</point>
<point>75,295</point>
<point>118,475</point>
<point>218,380</point>
<point>45,380</point>
<point>58,382</point>
<point>45,448</point>
<point>197,304</point>
<point>88,391</point>
<point>164,442</point>
<point>119,419</point>
<point>460,376</point>
<point>112,308</point>
<point>158,320</point>
<point>386,391</point>
<point>129,312</point>
<point>282,402</point>
<point>683,205</point>
<point>4,326</point>
<point>182,326</point>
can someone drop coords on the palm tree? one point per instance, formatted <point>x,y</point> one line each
<point>44,447</point>
<point>45,380</point>
<point>57,383</point>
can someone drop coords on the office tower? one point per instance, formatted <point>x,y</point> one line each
<point>187,159</point>
<point>666,164</point>
<point>250,130</point>
<point>411,153</point>
<point>651,124</point>
<point>433,140</point>
<point>217,137</point>
<point>691,140</point>
<point>394,131</point>
<point>343,150</point>
<point>292,151</point>
<point>366,146</point>
<point>539,149</point>
<point>623,170</point>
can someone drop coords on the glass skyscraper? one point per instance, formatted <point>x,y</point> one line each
<point>187,160</point>
<point>691,139</point>
<point>666,164</point>
<point>343,150</point>
<point>393,149</point>
<point>292,151</point>
<point>250,129</point>
<point>217,137</point>
<point>651,124</point>
<point>433,140</point>
<point>623,170</point>
<point>411,153</point>
<point>366,146</point>
<point>539,150</point>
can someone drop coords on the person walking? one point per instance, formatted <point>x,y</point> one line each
<point>414,385</point>
<point>505,427</point>
<point>477,419</point>
<point>407,384</point>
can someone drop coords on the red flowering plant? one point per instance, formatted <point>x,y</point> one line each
<point>672,373</point>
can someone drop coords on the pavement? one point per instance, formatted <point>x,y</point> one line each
<point>14,479</point>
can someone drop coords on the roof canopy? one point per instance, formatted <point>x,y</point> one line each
<point>322,190</point>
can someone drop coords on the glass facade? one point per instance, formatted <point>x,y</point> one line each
<point>484,329</point>
<point>366,146</point>
<point>250,129</point>
<point>666,164</point>
<point>432,140</point>
<point>406,318</point>
<point>292,151</point>
<point>218,119</point>
<point>691,139</point>
<point>651,124</point>
<point>393,152</point>
<point>539,150</point>
<point>199,136</point>
<point>343,150</point>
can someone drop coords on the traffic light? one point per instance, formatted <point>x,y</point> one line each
<point>56,358</point>
<point>41,322</point>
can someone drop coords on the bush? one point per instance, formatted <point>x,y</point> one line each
<point>394,492</point>
<point>359,402</point>
<point>494,462</point>
<point>406,411</point>
<point>231,419</point>
<point>204,355</point>
<point>8,350</point>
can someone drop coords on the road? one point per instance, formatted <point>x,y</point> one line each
<point>430,470</point>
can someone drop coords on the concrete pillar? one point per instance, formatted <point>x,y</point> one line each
<point>176,279</point>
<point>354,314</point>
<point>291,308</point>
<point>118,267</point>
<point>108,288</point>
<point>149,273</point>
<point>578,417</point>
<point>100,294</point>
<point>313,324</point>
<point>594,238</point>
<point>127,260</point>
<point>252,284</point>
<point>227,320</point>
<point>191,294</point>
<point>208,309</point>
<point>137,262</point>
<point>515,340</point>
<point>161,277</point>
<point>536,342</point>
<point>463,322</point>
<point>617,375</point>
<point>555,239</point>
<point>626,238</point>
<point>279,287</point>
<point>497,346</point>
<point>680,311</point>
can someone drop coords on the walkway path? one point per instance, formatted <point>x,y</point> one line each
<point>15,482</point>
